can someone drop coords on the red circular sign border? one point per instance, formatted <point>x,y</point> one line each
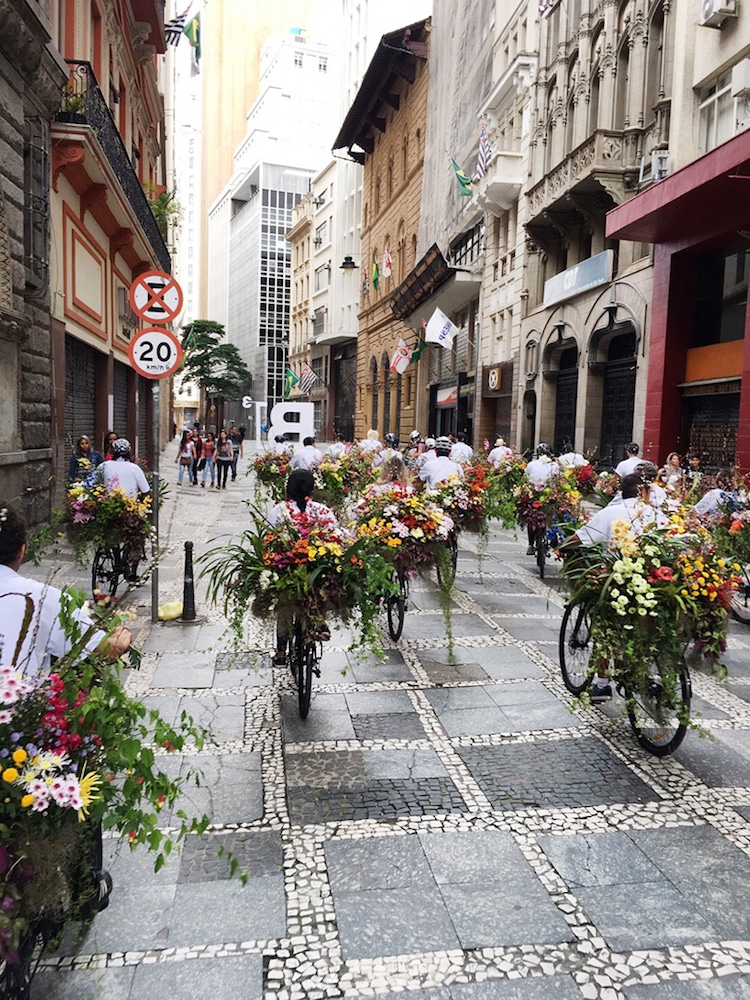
<point>172,281</point>
<point>154,329</point>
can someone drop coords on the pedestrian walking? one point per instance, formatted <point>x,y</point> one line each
<point>209,466</point>
<point>109,439</point>
<point>197,442</point>
<point>235,439</point>
<point>184,456</point>
<point>224,457</point>
<point>83,460</point>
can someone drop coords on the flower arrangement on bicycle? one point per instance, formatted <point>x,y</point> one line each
<point>271,470</point>
<point>76,752</point>
<point>464,499</point>
<point>340,478</point>
<point>97,517</point>
<point>501,499</point>
<point>408,527</point>
<point>311,565</point>
<point>555,504</point>
<point>653,595</point>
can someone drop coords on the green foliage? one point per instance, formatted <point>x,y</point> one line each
<point>212,363</point>
<point>164,207</point>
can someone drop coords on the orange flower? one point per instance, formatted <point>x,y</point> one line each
<point>735,528</point>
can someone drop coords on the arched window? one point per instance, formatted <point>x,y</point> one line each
<point>655,60</point>
<point>413,251</point>
<point>405,157</point>
<point>376,207</point>
<point>385,362</point>
<point>621,85</point>
<point>375,393</point>
<point>390,178</point>
<point>401,253</point>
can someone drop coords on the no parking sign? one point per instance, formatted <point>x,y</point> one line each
<point>156,297</point>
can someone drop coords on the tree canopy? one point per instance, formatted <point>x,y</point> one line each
<point>213,364</point>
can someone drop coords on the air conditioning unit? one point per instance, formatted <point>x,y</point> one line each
<point>659,164</point>
<point>318,201</point>
<point>714,12</point>
<point>741,78</point>
<point>317,241</point>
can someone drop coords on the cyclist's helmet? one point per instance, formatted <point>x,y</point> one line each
<point>632,448</point>
<point>443,445</point>
<point>543,449</point>
<point>430,443</point>
<point>280,439</point>
<point>391,440</point>
<point>120,448</point>
<point>415,436</point>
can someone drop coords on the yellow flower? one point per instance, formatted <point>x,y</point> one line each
<point>89,788</point>
<point>27,800</point>
<point>19,756</point>
<point>10,774</point>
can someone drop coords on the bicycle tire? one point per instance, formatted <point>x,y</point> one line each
<point>130,565</point>
<point>740,602</point>
<point>304,658</point>
<point>658,724</point>
<point>540,549</point>
<point>446,569</point>
<point>105,571</point>
<point>16,977</point>
<point>396,608</point>
<point>575,647</point>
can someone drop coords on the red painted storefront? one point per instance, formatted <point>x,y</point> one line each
<point>698,213</point>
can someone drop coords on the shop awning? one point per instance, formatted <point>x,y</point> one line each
<point>706,198</point>
<point>447,396</point>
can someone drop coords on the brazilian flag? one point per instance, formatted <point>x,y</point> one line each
<point>417,351</point>
<point>192,31</point>
<point>290,380</point>
<point>464,182</point>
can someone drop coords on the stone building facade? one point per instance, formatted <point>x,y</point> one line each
<point>385,131</point>
<point>32,75</point>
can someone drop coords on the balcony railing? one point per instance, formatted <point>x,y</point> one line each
<point>84,104</point>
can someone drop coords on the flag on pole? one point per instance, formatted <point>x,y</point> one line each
<point>375,273</point>
<point>290,380</point>
<point>387,262</point>
<point>485,153</point>
<point>192,31</point>
<point>401,357</point>
<point>307,378</point>
<point>464,182</point>
<point>417,351</point>
<point>440,330</point>
<point>173,29</point>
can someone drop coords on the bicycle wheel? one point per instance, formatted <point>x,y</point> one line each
<point>659,718</point>
<point>395,607</point>
<point>540,549</point>
<point>105,572</point>
<point>740,606</point>
<point>446,564</point>
<point>576,647</point>
<point>304,661</point>
<point>16,977</point>
<point>130,560</point>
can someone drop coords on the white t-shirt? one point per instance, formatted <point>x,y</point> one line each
<point>337,449</point>
<point>627,466</point>
<point>461,452</point>
<point>498,455</point>
<point>127,475</point>
<point>45,636</point>
<point>598,531</point>
<point>438,469</point>
<point>306,458</point>
<point>383,456</point>
<point>710,502</point>
<point>539,471</point>
<point>571,458</point>
<point>367,444</point>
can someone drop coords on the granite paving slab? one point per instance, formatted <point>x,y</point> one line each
<point>184,670</point>
<point>505,913</point>
<point>433,626</point>
<point>474,856</point>
<point>212,856</point>
<point>536,988</point>
<point>378,702</point>
<point>451,673</point>
<point>599,859</point>
<point>137,919</point>
<point>84,984</point>
<point>580,772</point>
<point>529,630</point>
<point>728,988</point>
<point>230,976</point>
<point>226,910</point>
<point>230,790</point>
<point>380,863</point>
<point>374,670</point>
<point>388,727</point>
<point>714,762</point>
<point>329,719</point>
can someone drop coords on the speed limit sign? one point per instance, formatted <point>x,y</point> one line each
<point>155,353</point>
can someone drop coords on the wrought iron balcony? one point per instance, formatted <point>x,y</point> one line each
<point>84,104</point>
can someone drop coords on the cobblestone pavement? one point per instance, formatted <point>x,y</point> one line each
<point>460,830</point>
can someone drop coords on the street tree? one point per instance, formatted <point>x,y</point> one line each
<point>213,364</point>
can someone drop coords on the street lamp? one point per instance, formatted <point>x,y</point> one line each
<point>348,264</point>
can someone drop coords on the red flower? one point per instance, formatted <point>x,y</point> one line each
<point>661,574</point>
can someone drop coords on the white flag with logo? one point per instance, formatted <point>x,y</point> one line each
<point>401,357</point>
<point>440,330</point>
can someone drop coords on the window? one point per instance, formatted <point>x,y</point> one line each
<point>298,59</point>
<point>321,278</point>
<point>36,206</point>
<point>321,235</point>
<point>716,114</point>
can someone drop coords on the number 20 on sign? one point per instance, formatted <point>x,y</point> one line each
<point>155,353</point>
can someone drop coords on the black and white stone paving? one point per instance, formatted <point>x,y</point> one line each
<point>440,827</point>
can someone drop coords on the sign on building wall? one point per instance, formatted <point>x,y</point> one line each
<point>589,273</point>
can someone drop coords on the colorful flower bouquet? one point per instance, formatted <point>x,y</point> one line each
<point>338,479</point>
<point>95,517</point>
<point>606,486</point>
<point>271,470</point>
<point>407,527</point>
<point>586,478</point>
<point>76,753</point>
<point>653,595</point>
<point>464,499</point>
<point>558,501</point>
<point>305,563</point>
<point>501,501</point>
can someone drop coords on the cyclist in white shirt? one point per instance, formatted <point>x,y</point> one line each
<point>500,453</point>
<point>461,450</point>
<point>437,470</point>
<point>120,471</point>
<point>308,457</point>
<point>628,465</point>
<point>539,470</point>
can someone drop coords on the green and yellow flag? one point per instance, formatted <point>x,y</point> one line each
<point>192,32</point>
<point>417,351</point>
<point>375,273</point>
<point>290,380</point>
<point>464,182</point>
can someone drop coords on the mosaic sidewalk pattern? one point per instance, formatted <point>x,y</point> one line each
<point>456,827</point>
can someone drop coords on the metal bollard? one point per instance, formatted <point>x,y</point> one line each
<point>188,591</point>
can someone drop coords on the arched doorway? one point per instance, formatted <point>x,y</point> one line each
<point>375,393</point>
<point>565,399</point>
<point>618,397</point>
<point>528,424</point>
<point>385,364</point>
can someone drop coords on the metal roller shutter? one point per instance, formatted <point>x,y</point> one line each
<point>80,391</point>
<point>120,391</point>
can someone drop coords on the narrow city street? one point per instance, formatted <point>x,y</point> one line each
<point>464,829</point>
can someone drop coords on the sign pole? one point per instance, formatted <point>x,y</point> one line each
<point>155,501</point>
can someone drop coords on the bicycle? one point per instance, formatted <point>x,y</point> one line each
<point>113,563</point>
<point>740,606</point>
<point>541,548</point>
<point>395,604</point>
<point>304,653</point>
<point>658,718</point>
<point>446,567</point>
